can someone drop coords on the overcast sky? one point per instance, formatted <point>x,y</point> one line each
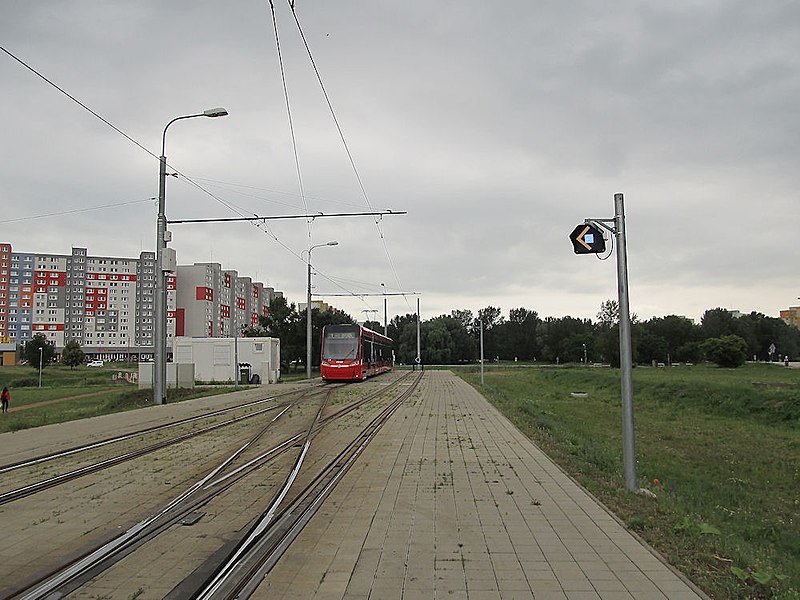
<point>497,126</point>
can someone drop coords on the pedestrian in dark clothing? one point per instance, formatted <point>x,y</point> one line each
<point>6,398</point>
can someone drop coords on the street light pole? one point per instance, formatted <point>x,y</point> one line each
<point>481,319</point>
<point>308,308</point>
<point>40,365</point>
<point>162,237</point>
<point>385,321</point>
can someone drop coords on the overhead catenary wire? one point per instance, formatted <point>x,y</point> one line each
<point>289,115</point>
<point>378,221</point>
<point>261,225</point>
<point>236,187</point>
<point>74,99</point>
<point>75,211</point>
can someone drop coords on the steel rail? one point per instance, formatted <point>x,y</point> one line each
<point>51,482</point>
<point>71,576</point>
<point>95,561</point>
<point>266,541</point>
<point>121,438</point>
<point>267,516</point>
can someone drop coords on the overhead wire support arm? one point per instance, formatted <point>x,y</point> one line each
<point>278,217</point>
<point>368,294</point>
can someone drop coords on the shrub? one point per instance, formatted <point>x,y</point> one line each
<point>726,351</point>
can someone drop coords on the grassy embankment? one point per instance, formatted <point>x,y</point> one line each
<point>720,449</point>
<point>68,394</point>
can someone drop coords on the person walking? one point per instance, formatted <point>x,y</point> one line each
<point>6,398</point>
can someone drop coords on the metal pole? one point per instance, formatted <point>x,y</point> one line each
<point>308,308</point>
<point>235,344</point>
<point>481,351</point>
<point>419,355</point>
<point>160,326</point>
<point>385,313</point>
<point>40,365</point>
<point>308,320</point>
<point>625,352</point>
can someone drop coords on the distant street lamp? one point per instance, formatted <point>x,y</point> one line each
<point>41,348</point>
<point>308,308</point>
<point>160,326</point>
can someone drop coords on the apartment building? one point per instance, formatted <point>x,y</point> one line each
<point>214,302</point>
<point>107,304</point>
<point>791,316</point>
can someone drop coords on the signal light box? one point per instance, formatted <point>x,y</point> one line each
<point>587,239</point>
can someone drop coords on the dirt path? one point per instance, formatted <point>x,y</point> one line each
<point>13,408</point>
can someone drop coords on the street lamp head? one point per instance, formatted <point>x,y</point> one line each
<point>215,112</point>
<point>332,244</point>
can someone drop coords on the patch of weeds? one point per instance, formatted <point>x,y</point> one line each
<point>637,524</point>
<point>760,583</point>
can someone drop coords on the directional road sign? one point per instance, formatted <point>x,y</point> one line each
<point>587,239</point>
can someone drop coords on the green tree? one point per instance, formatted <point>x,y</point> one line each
<point>521,328</point>
<point>688,352</point>
<point>761,331</point>
<point>716,322</point>
<point>650,347</point>
<point>492,320</point>
<point>403,331</point>
<point>445,340</point>
<point>562,340</point>
<point>674,331</point>
<point>30,351</point>
<point>283,322</point>
<point>728,351</point>
<point>72,355</point>
<point>375,326</point>
<point>407,342</point>
<point>609,313</point>
<point>465,317</point>
<point>437,344</point>
<point>465,347</point>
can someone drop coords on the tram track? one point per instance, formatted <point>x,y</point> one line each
<point>187,505</point>
<point>91,557</point>
<point>26,490</point>
<point>241,572</point>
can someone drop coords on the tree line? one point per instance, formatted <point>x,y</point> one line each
<point>722,337</point>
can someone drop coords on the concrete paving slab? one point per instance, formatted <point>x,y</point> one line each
<point>451,501</point>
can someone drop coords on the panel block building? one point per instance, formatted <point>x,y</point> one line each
<point>107,304</point>
<point>214,302</point>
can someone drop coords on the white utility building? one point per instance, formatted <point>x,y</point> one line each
<point>223,359</point>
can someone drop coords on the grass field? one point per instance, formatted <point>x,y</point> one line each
<point>719,448</point>
<point>68,394</point>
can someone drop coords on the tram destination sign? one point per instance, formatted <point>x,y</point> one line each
<point>587,239</point>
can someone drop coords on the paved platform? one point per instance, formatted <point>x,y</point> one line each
<point>452,501</point>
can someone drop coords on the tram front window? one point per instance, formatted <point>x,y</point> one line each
<point>340,345</point>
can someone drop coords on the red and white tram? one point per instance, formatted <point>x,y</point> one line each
<point>353,352</point>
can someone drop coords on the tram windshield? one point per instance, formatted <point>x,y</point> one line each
<point>340,344</point>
